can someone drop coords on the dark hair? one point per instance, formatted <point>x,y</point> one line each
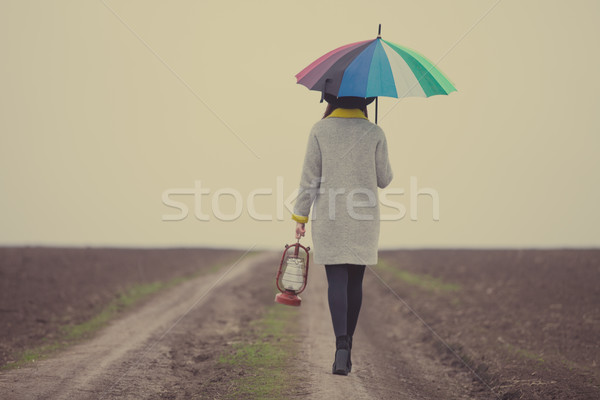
<point>349,102</point>
<point>331,107</point>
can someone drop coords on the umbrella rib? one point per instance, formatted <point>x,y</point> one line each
<point>381,67</point>
<point>346,49</point>
<point>354,70</point>
<point>403,78</point>
<point>332,71</point>
<point>433,66</point>
<point>423,75</point>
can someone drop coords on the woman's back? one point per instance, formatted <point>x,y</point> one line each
<point>346,160</point>
<point>348,152</point>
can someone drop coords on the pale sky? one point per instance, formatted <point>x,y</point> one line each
<point>102,111</point>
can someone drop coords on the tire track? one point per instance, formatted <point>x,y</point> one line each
<point>114,362</point>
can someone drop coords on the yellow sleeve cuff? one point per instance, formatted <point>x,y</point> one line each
<point>299,218</point>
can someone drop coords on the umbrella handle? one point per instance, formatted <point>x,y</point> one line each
<point>377,98</point>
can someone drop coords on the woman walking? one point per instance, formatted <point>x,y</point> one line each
<point>346,161</point>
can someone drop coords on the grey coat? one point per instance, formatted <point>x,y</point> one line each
<point>346,161</point>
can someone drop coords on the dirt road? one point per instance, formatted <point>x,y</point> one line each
<point>170,346</point>
<point>166,348</point>
<point>389,359</point>
<point>161,349</point>
<point>132,358</point>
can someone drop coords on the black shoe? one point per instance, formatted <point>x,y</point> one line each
<point>342,355</point>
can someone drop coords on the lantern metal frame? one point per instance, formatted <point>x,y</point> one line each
<point>287,296</point>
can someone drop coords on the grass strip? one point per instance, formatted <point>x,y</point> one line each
<point>423,281</point>
<point>264,356</point>
<point>72,333</point>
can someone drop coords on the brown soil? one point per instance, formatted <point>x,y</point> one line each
<point>167,348</point>
<point>524,321</point>
<point>42,289</point>
<point>527,321</point>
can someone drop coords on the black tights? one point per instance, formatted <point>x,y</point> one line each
<point>345,296</point>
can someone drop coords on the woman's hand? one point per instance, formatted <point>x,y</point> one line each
<point>300,230</point>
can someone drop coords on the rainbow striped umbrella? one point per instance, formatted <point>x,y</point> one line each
<point>374,68</point>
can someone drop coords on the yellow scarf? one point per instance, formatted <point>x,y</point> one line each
<point>347,113</point>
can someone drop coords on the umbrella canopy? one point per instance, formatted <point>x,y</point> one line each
<point>374,68</point>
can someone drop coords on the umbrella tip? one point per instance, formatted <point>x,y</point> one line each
<point>379,32</point>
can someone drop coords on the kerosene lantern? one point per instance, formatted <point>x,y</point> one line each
<point>292,274</point>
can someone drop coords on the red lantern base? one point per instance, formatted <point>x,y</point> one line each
<point>288,298</point>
